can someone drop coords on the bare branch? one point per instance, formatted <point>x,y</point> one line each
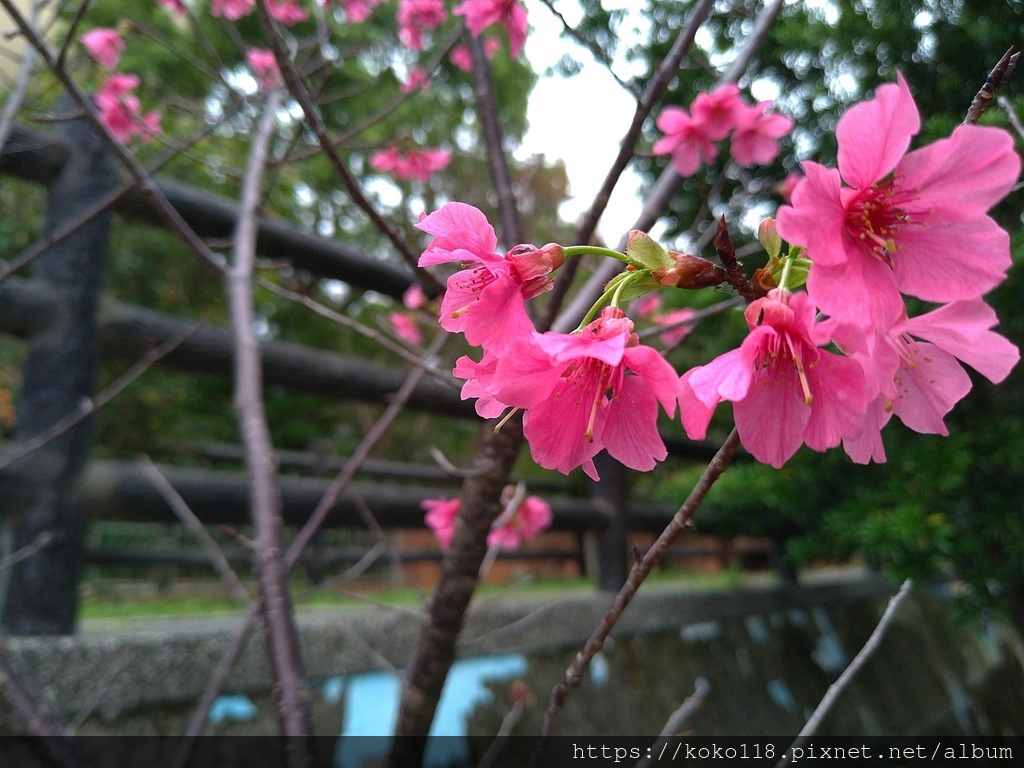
<point>675,721</point>
<point>17,95</point>
<point>834,690</point>
<point>681,521</point>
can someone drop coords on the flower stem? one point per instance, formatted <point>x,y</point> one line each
<point>582,250</point>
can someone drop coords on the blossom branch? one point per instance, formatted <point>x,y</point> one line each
<point>627,147</point>
<point>999,75</point>
<point>298,91</point>
<point>487,111</point>
<point>682,520</point>
<point>292,693</point>
<point>675,721</point>
<point>834,690</point>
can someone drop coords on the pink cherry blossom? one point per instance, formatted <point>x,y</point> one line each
<point>232,10</point>
<point>486,300</point>
<point>913,367</point>
<point>175,6</point>
<point>785,390</point>
<point>417,164</point>
<point>755,135</point>
<point>597,388</point>
<point>680,328</point>
<point>405,328</point>
<point>440,518</point>
<point>519,521</point>
<point>463,59</point>
<point>120,110</point>
<point>478,379</point>
<point>685,139</point>
<point>359,10</point>
<point>414,297</point>
<point>418,80</point>
<point>416,16</point>
<point>718,111</point>
<point>264,67</point>
<point>480,14</point>
<point>288,12</point>
<point>104,46</point>
<point>922,231</point>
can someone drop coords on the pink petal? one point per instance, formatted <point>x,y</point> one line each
<point>861,292</point>
<point>771,419</point>
<point>456,225</point>
<point>727,377</point>
<point>817,218</point>
<point>874,135</point>
<point>695,414</point>
<point>840,399</point>
<point>657,374</point>
<point>867,446</point>
<point>928,390</point>
<point>630,433</point>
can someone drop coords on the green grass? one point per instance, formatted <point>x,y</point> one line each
<point>103,602</point>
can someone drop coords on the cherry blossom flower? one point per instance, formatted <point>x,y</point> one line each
<point>416,16</point>
<point>685,139</point>
<point>480,14</point>
<point>440,518</point>
<point>418,164</point>
<point>718,111</point>
<point>463,59</point>
<point>264,67</point>
<point>405,328</point>
<point>288,12</point>
<point>913,367</point>
<point>785,390</point>
<point>486,300</point>
<point>414,297</point>
<point>519,521</point>
<point>922,231</point>
<point>232,10</point>
<point>120,110</point>
<point>417,80</point>
<point>755,135</point>
<point>104,46</point>
<point>175,6</point>
<point>359,10</point>
<point>676,334</point>
<point>595,389</point>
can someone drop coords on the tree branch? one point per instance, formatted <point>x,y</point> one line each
<point>999,75</point>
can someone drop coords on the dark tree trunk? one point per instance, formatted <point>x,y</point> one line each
<point>42,589</point>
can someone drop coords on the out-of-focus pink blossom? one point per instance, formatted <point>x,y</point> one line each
<point>288,12</point>
<point>440,518</point>
<point>417,164</point>
<point>784,188</point>
<point>718,111</point>
<point>756,133</point>
<point>104,45</point>
<point>647,305</point>
<point>417,16</point>
<point>359,10</point>
<point>519,523</point>
<point>923,231</point>
<point>418,80</point>
<point>463,59</point>
<point>173,5</point>
<point>264,67</point>
<point>120,109</point>
<point>232,10</point>
<point>406,328</point>
<point>685,139</point>
<point>680,328</point>
<point>414,297</point>
<point>480,14</point>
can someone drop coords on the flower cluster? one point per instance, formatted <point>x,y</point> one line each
<point>264,68</point>
<point>510,14</point>
<point>520,520</point>
<point>690,137</point>
<point>822,367</point>
<point>288,12</point>
<point>418,164</point>
<point>121,111</point>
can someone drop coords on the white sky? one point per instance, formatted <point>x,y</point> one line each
<point>579,120</point>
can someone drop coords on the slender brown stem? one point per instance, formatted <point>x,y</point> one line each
<point>680,522</point>
<point>292,692</point>
<point>733,270</point>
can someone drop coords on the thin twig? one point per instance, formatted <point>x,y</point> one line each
<point>999,74</point>
<point>177,504</point>
<point>41,542</point>
<point>733,270</point>
<point>87,406</point>
<point>17,95</point>
<point>487,113</point>
<point>675,721</point>
<point>291,690</point>
<point>299,92</point>
<point>1012,116</point>
<point>680,522</point>
<point>834,690</point>
<point>98,689</point>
